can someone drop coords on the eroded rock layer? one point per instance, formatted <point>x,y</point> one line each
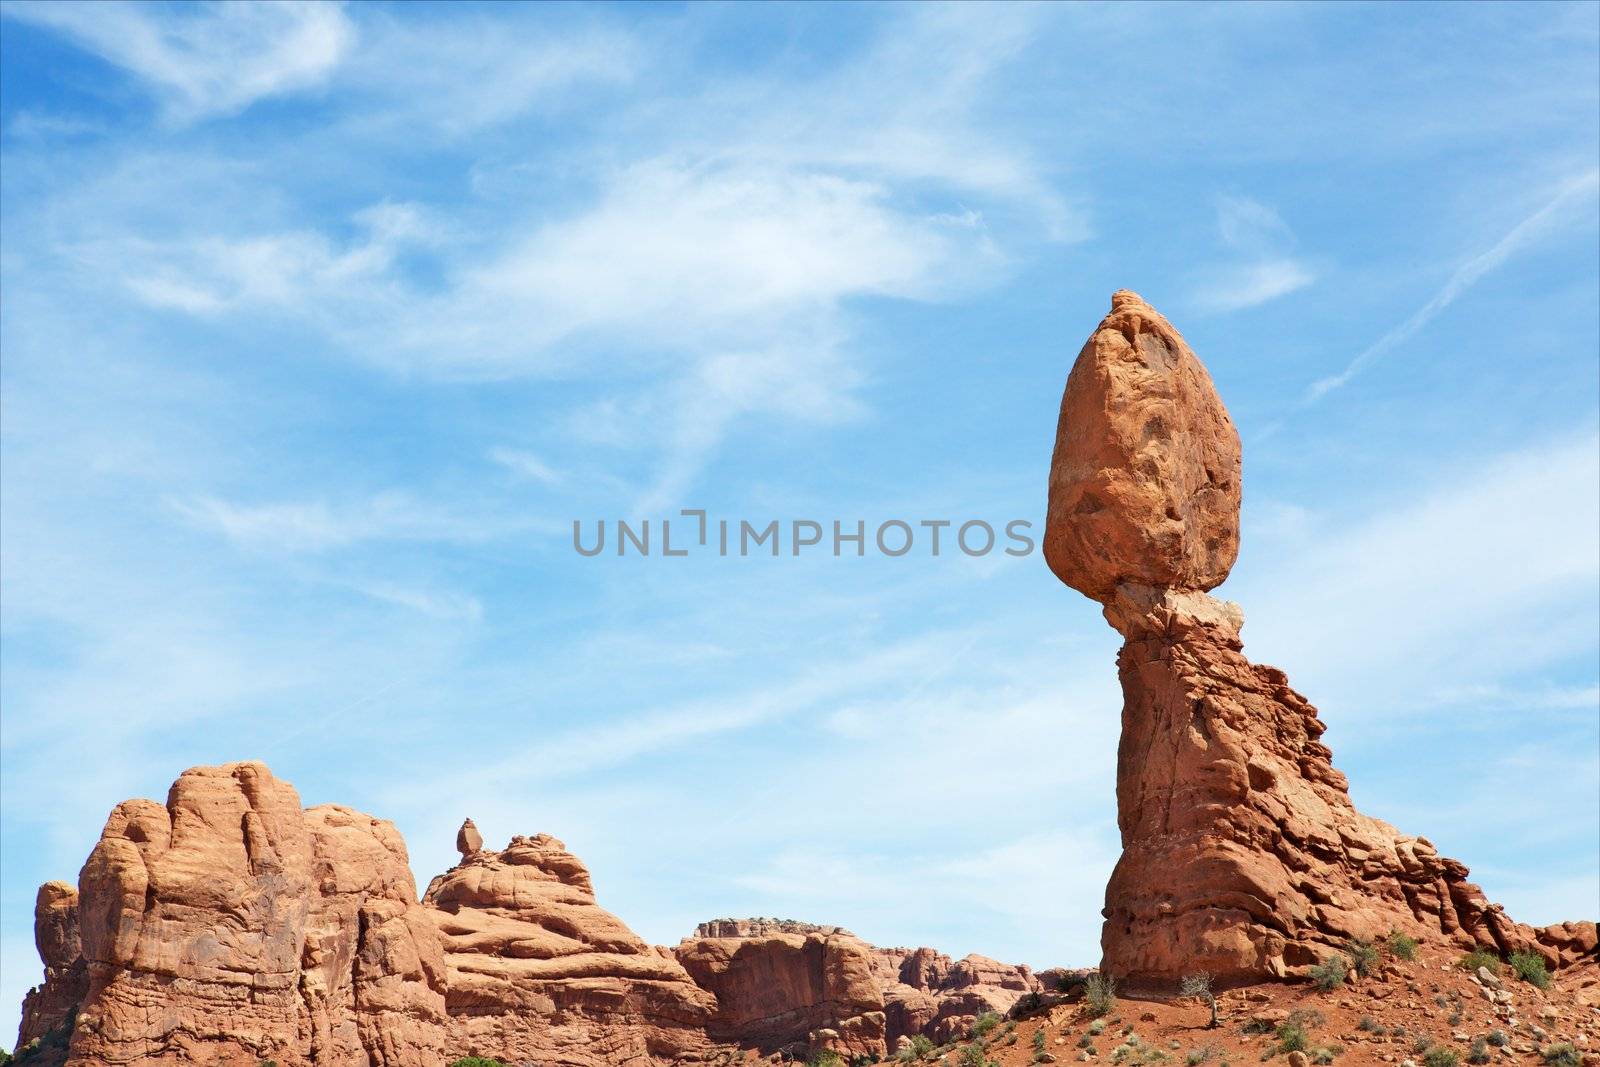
<point>783,986</point>
<point>1243,855</point>
<point>539,972</point>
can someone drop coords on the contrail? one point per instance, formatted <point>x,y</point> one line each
<point>1463,279</point>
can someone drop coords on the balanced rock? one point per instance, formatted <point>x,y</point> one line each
<point>1243,855</point>
<point>539,972</point>
<point>1144,484</point>
<point>468,839</point>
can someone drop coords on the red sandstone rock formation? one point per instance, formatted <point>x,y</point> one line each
<point>49,1009</point>
<point>538,972</point>
<point>789,989</point>
<point>1242,853</point>
<point>1144,484</point>
<point>228,926</point>
<point>928,993</point>
<point>783,985</point>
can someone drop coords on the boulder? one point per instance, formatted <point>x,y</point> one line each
<point>1145,479</point>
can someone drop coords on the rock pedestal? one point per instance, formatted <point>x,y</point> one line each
<point>1243,855</point>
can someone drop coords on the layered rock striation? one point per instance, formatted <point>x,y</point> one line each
<point>1243,855</point>
<point>539,972</point>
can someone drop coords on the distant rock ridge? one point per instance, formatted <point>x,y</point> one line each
<point>758,927</point>
<point>1243,855</point>
<point>229,926</point>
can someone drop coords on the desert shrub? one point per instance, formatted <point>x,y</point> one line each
<point>1480,957</point>
<point>1038,1040</point>
<point>1326,1055</point>
<point>829,1058</point>
<point>971,1056</point>
<point>1421,1043</point>
<point>1530,968</point>
<point>1199,987</point>
<point>1086,1041</point>
<point>1099,994</point>
<point>1439,1056</point>
<point>1498,1038</point>
<point>1097,1027</point>
<point>1292,1037</point>
<point>1329,974</point>
<point>985,1023</point>
<point>1370,1025</point>
<point>1479,1053</point>
<point>916,1049</point>
<point>1562,1055</point>
<point>1028,1002</point>
<point>1363,956</point>
<point>1400,946</point>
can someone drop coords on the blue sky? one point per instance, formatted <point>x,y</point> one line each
<point>322,324</point>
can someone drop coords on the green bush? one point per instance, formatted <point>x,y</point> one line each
<point>971,1056</point>
<point>1292,1037</point>
<point>985,1023</point>
<point>1498,1038</point>
<point>1038,1040</point>
<point>1479,1053</point>
<point>1400,946</point>
<point>1370,1025</point>
<point>1363,956</point>
<point>1562,1055</point>
<point>1329,974</point>
<point>1097,1027</point>
<point>1480,957</point>
<point>1530,968</point>
<point>1440,1056</point>
<point>1099,994</point>
<point>917,1049</point>
<point>1326,1055</point>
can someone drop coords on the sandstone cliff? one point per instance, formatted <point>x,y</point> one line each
<point>1242,853</point>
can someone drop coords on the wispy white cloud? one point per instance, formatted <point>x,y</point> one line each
<point>320,526</point>
<point>459,73</point>
<point>1261,268</point>
<point>525,465</point>
<point>1444,585</point>
<point>1575,194</point>
<point>294,272</point>
<point>210,59</point>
